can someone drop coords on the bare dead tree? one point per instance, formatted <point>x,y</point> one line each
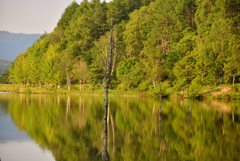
<point>107,80</point>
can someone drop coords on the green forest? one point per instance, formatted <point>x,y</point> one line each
<point>173,42</point>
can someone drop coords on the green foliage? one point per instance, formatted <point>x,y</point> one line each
<point>67,15</point>
<point>187,42</point>
<point>166,90</point>
<point>184,70</point>
<point>27,90</point>
<point>129,73</point>
<point>195,89</point>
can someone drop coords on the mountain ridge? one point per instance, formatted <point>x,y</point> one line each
<point>11,44</point>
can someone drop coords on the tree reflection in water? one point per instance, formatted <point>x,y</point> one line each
<point>71,127</point>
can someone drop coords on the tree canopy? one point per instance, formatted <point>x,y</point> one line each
<point>180,42</point>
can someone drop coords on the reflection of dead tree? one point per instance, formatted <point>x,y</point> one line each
<point>188,112</point>
<point>113,131</point>
<point>164,147</point>
<point>108,122</point>
<point>160,110</point>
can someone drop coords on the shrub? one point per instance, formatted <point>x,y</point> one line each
<point>165,90</point>
<point>27,90</point>
<point>195,89</point>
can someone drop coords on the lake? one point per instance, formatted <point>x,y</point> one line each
<point>60,127</point>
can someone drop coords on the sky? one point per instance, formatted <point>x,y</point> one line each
<point>31,16</point>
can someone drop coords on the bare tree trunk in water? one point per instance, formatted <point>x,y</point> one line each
<point>159,133</point>
<point>106,95</point>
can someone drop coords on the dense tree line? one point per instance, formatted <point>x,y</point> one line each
<point>186,42</point>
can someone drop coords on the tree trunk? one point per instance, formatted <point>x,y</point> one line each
<point>68,81</point>
<point>80,85</point>
<point>154,84</point>
<point>233,79</point>
<point>233,116</point>
<point>106,94</point>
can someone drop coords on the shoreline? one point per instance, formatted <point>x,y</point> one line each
<point>211,94</point>
<point>122,95</point>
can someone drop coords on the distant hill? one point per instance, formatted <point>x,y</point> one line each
<point>11,44</point>
<point>4,64</point>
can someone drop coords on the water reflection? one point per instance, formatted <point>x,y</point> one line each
<point>188,124</point>
<point>15,144</point>
<point>71,127</point>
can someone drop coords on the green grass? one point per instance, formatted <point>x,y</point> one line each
<point>63,90</point>
<point>102,92</point>
<point>206,92</point>
<point>9,88</point>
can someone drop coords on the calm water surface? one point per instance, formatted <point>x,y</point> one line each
<point>61,127</point>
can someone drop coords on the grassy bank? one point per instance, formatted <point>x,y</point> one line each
<point>231,92</point>
<point>205,92</point>
<point>64,90</point>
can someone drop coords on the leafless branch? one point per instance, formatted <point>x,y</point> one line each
<point>98,82</point>
<point>98,62</point>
